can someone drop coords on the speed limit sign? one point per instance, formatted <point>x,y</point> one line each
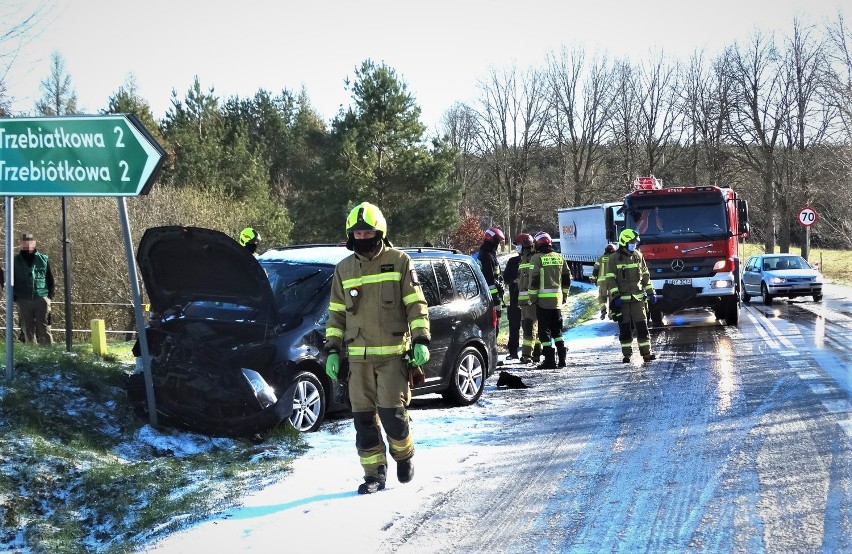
<point>807,216</point>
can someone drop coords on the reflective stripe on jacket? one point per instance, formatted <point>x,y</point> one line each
<point>627,276</point>
<point>377,306</point>
<point>550,280</point>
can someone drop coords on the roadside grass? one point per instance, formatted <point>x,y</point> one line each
<point>835,265</point>
<point>581,306</point>
<point>80,471</point>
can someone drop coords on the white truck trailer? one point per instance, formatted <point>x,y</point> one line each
<point>584,232</point>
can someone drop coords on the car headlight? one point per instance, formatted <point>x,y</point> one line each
<point>776,281</point>
<point>264,393</point>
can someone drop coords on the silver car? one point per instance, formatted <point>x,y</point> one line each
<point>780,275</point>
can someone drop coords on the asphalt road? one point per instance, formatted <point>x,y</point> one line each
<point>737,439</point>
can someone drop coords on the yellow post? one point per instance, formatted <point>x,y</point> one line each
<point>99,345</point>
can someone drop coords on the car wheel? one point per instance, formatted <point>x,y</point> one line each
<point>467,378</point>
<point>745,296</point>
<point>308,403</point>
<point>818,298</point>
<point>767,298</point>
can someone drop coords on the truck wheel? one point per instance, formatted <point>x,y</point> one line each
<point>731,310</point>
<point>656,316</point>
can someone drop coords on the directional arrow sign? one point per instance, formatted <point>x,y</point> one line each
<point>107,155</point>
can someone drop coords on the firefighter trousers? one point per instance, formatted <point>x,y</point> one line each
<point>379,394</point>
<point>634,316</point>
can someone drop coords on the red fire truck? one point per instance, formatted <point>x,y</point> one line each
<point>690,238</point>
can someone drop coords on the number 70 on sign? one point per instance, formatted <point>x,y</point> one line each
<point>807,216</point>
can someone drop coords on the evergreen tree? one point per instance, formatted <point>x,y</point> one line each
<point>382,157</point>
<point>127,100</point>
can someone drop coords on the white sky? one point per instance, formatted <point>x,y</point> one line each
<point>441,48</point>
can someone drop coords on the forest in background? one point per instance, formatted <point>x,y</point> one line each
<point>770,117</point>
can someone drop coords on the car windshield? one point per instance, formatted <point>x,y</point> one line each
<point>785,262</point>
<point>690,221</point>
<point>297,286</point>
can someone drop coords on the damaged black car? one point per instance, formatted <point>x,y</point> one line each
<point>224,350</point>
<point>236,342</point>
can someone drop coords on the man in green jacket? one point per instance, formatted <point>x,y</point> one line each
<point>377,315</point>
<point>33,291</point>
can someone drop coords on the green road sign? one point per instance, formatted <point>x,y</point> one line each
<point>88,155</point>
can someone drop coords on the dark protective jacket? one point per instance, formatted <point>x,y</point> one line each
<point>550,279</point>
<point>33,276</point>
<point>491,270</point>
<point>377,307</point>
<point>510,277</point>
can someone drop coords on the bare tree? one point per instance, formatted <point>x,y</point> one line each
<point>759,108</point>
<point>20,23</point>
<point>58,96</point>
<point>625,122</point>
<point>706,93</point>
<point>460,127</point>
<point>512,117</point>
<point>580,104</point>
<point>807,125</point>
<point>660,115</point>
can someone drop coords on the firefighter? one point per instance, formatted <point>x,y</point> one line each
<point>599,277</point>
<point>531,346</point>
<point>629,284</point>
<point>511,273</point>
<point>487,259</point>
<point>549,284</point>
<point>250,239</point>
<point>377,311</point>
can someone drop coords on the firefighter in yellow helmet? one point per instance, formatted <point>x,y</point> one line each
<point>629,284</point>
<point>378,318</point>
<point>250,239</point>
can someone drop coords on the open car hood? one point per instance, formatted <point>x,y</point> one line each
<point>191,264</point>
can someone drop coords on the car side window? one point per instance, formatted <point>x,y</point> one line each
<point>466,281</point>
<point>428,282</point>
<point>445,284</point>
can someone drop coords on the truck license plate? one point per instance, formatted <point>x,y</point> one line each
<point>679,281</point>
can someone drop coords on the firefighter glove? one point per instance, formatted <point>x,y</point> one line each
<point>616,302</point>
<point>421,354</point>
<point>652,298</point>
<point>332,365</point>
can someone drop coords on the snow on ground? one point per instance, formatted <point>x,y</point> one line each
<point>315,507</point>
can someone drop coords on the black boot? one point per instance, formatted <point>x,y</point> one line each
<point>405,470</point>
<point>561,351</point>
<point>536,355</point>
<point>373,483</point>
<point>549,358</point>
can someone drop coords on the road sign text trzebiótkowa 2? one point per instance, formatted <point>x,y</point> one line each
<point>109,155</point>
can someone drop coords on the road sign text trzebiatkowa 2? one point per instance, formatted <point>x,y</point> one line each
<point>108,155</point>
